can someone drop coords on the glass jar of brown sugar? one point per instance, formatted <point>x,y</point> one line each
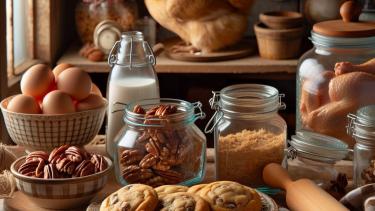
<point>248,131</point>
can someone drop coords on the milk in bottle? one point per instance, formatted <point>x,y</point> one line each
<point>132,78</point>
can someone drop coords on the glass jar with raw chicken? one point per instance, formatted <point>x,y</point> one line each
<point>336,76</point>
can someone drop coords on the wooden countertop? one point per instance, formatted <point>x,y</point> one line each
<point>26,205</point>
<point>249,65</point>
<point>20,202</point>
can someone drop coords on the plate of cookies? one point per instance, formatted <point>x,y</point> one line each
<point>216,196</point>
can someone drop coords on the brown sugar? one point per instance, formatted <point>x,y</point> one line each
<point>243,155</point>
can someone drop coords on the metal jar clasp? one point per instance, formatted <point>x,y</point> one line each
<point>200,114</point>
<point>215,119</point>
<point>351,122</point>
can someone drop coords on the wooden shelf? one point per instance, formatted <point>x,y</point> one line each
<point>249,65</point>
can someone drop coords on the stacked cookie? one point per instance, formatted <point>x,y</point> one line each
<point>216,196</point>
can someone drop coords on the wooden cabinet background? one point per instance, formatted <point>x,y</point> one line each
<point>191,87</point>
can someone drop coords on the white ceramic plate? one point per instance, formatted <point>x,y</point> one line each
<point>268,204</point>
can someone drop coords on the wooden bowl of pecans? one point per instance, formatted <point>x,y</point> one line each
<point>66,178</point>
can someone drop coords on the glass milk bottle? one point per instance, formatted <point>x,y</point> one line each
<point>132,78</point>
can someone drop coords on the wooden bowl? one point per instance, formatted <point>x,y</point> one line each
<point>45,132</point>
<point>62,193</point>
<point>278,43</point>
<point>281,19</point>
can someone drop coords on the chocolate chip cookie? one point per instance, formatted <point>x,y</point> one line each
<point>229,196</point>
<point>182,201</point>
<point>196,188</point>
<point>134,197</point>
<point>168,189</point>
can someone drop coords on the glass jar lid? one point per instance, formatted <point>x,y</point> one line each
<point>244,101</point>
<point>349,26</point>
<point>362,124</point>
<point>316,146</point>
<point>187,113</point>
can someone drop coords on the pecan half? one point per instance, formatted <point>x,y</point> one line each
<point>57,153</point>
<point>39,171</point>
<point>57,158</point>
<point>160,110</point>
<point>134,173</point>
<point>139,110</point>
<point>165,154</point>
<point>75,154</point>
<point>165,110</point>
<point>146,174</point>
<point>99,162</point>
<point>144,137</point>
<point>131,173</point>
<point>84,168</point>
<point>66,165</point>
<point>163,166</point>
<point>171,176</point>
<point>36,155</point>
<point>153,147</point>
<point>148,161</point>
<point>131,156</point>
<point>51,172</point>
<point>151,112</point>
<point>28,168</point>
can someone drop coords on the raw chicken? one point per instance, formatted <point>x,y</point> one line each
<point>346,67</point>
<point>315,92</point>
<point>351,88</point>
<point>207,25</point>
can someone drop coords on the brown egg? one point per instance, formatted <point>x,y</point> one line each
<point>75,82</point>
<point>37,81</point>
<point>59,68</point>
<point>57,102</point>
<point>91,102</point>
<point>95,90</point>
<point>24,104</point>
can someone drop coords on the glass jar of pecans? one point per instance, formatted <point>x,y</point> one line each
<point>89,13</point>
<point>362,128</point>
<point>160,144</point>
<point>248,132</point>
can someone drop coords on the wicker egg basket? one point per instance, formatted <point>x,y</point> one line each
<point>45,132</point>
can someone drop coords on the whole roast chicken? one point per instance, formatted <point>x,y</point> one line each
<point>339,92</point>
<point>204,25</point>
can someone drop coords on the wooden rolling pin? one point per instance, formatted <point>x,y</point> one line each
<point>301,195</point>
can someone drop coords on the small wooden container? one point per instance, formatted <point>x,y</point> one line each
<point>278,43</point>
<point>281,19</point>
